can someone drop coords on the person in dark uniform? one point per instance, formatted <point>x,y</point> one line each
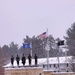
<point>35,57</point>
<point>17,59</point>
<point>29,58</point>
<point>23,60</point>
<point>12,59</point>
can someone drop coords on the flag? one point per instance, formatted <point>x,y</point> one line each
<point>43,35</point>
<point>60,43</point>
<point>26,45</point>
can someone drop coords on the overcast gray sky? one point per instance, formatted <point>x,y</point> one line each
<point>19,18</point>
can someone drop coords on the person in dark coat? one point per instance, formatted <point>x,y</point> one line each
<point>12,59</point>
<point>23,60</point>
<point>17,59</point>
<point>35,57</point>
<point>29,58</point>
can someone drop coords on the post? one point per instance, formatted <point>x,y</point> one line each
<point>47,59</point>
<point>66,59</point>
<point>58,60</point>
<point>47,49</point>
<point>31,53</point>
<point>60,42</point>
<point>31,49</point>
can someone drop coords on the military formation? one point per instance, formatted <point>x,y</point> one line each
<point>23,59</point>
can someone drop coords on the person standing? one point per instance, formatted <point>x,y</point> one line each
<point>17,59</point>
<point>29,58</point>
<point>12,60</point>
<point>35,57</point>
<point>23,60</point>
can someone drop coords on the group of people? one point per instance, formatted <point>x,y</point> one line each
<point>23,59</point>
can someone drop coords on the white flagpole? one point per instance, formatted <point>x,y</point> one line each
<point>47,49</point>
<point>58,59</point>
<point>31,48</point>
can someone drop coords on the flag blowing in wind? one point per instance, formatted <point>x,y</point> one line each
<point>26,45</point>
<point>43,35</point>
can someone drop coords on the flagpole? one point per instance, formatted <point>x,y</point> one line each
<point>58,60</point>
<point>31,48</point>
<point>47,49</point>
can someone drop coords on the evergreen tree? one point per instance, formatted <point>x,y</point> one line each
<point>2,62</point>
<point>70,39</point>
<point>6,52</point>
<point>13,49</point>
<point>53,46</point>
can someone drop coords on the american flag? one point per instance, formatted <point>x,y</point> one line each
<point>43,35</point>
